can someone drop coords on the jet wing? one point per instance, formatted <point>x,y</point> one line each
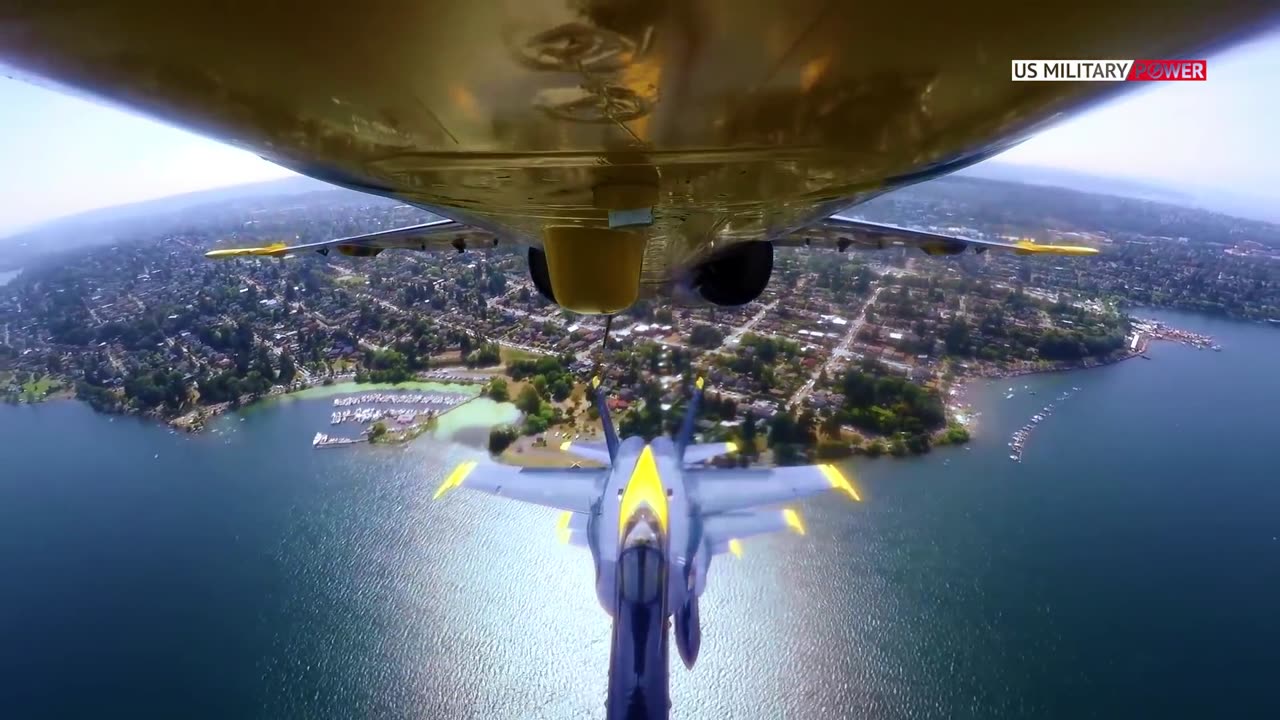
<point>722,491</point>
<point>843,232</point>
<point>439,234</point>
<point>703,452</point>
<point>563,489</point>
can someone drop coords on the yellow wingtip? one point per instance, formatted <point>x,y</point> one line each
<point>564,446</point>
<point>793,520</point>
<point>838,481</point>
<point>1030,246</point>
<point>699,382</point>
<point>273,250</point>
<point>455,478</point>
<point>731,447</point>
<point>595,382</point>
<point>562,526</point>
<point>735,547</point>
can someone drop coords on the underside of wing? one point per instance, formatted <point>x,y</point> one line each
<point>842,232</point>
<point>574,490</point>
<point>436,235</point>
<point>723,491</point>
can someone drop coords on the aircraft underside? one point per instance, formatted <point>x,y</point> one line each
<point>640,146</point>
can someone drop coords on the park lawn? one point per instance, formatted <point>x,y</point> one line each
<point>41,386</point>
<point>509,355</point>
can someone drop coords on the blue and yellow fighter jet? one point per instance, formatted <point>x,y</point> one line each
<point>653,518</point>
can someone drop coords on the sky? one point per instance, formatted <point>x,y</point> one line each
<point>61,154</point>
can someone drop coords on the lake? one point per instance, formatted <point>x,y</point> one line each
<point>1128,566</point>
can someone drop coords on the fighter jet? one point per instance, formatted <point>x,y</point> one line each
<point>653,518</point>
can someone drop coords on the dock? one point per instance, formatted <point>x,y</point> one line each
<point>321,440</point>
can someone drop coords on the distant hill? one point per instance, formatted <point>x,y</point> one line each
<point>1073,180</point>
<point>1237,204</point>
<point>105,225</point>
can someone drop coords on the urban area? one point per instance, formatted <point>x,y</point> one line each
<point>858,352</point>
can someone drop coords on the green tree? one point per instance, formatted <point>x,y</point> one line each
<point>500,438</point>
<point>529,401</point>
<point>749,432</point>
<point>498,390</point>
<point>782,430</point>
<point>955,435</point>
<point>831,425</point>
<point>288,368</point>
<point>534,424</point>
<point>378,430</point>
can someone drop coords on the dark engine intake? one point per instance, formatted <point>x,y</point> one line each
<point>736,275</point>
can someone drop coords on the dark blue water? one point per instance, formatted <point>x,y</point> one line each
<point>1128,566</point>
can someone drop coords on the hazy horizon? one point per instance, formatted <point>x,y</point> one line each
<point>1211,139</point>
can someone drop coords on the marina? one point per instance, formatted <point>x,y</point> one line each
<point>364,415</point>
<point>446,399</point>
<point>1159,330</point>
<point>402,415</point>
<point>1018,443</point>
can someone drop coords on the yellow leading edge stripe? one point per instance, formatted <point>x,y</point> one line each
<point>735,547</point>
<point>268,251</point>
<point>1026,246</point>
<point>455,478</point>
<point>793,521</point>
<point>562,526</point>
<point>838,481</point>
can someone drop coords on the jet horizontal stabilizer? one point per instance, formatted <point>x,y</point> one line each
<point>592,451</point>
<point>703,452</point>
<point>746,523</point>
<point>723,491</point>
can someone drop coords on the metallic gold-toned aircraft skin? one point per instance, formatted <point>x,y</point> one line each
<point>733,119</point>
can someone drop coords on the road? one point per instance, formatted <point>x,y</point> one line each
<point>744,328</point>
<point>841,351</point>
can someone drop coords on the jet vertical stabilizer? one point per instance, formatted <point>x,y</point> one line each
<point>606,422</point>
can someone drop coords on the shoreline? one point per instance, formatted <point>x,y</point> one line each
<point>195,420</point>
